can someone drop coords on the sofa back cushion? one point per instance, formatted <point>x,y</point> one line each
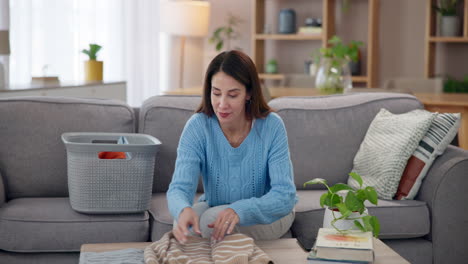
<point>32,155</point>
<point>164,117</point>
<point>325,132</point>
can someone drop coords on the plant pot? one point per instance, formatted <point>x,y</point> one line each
<point>450,26</point>
<point>355,68</point>
<point>93,70</point>
<point>341,224</point>
<point>271,68</point>
<point>333,76</point>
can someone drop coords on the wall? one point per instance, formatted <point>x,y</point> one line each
<point>220,10</point>
<point>402,36</point>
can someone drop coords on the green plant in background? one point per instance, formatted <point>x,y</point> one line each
<point>338,51</point>
<point>92,51</point>
<point>272,66</point>
<point>352,202</point>
<point>333,61</point>
<point>345,5</point>
<point>447,7</point>
<point>225,34</point>
<point>452,85</point>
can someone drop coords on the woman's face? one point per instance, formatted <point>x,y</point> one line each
<point>228,98</point>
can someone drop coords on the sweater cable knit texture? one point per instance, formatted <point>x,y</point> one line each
<point>255,179</point>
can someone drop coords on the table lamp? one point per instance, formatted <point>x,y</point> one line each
<point>184,19</point>
<point>4,50</point>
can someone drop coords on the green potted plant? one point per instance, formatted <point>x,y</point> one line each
<point>93,68</point>
<point>346,205</point>
<point>222,36</point>
<point>449,21</point>
<point>452,85</point>
<point>272,66</point>
<point>333,74</point>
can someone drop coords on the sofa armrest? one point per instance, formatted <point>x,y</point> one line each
<point>2,191</point>
<point>445,191</point>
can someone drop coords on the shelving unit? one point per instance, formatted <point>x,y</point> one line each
<point>432,39</point>
<point>288,37</point>
<point>328,30</point>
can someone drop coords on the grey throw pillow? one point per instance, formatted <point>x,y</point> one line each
<point>389,142</point>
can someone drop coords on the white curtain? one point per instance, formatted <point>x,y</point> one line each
<point>51,34</point>
<point>143,49</point>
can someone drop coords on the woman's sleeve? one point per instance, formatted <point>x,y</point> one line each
<point>281,198</point>
<point>187,168</point>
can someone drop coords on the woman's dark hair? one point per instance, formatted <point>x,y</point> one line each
<point>240,67</point>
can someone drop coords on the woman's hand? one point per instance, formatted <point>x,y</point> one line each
<point>187,218</point>
<point>224,224</point>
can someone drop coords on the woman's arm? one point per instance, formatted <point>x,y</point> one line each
<point>187,168</point>
<point>281,198</point>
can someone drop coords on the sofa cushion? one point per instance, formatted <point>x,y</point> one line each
<point>324,133</point>
<point>161,219</point>
<point>50,225</point>
<point>2,191</point>
<point>415,250</point>
<point>164,117</point>
<point>398,219</point>
<point>39,258</point>
<point>389,143</point>
<point>32,156</point>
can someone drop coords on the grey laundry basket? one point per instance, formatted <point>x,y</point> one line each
<point>103,186</point>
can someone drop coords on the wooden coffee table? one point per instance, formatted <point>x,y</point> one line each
<point>282,251</point>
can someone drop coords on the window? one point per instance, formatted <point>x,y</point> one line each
<point>47,37</point>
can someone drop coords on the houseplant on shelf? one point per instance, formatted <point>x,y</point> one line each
<point>449,21</point>
<point>345,206</point>
<point>452,85</point>
<point>271,66</point>
<point>222,36</point>
<point>93,68</point>
<point>333,75</point>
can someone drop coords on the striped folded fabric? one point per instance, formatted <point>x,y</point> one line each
<point>235,249</point>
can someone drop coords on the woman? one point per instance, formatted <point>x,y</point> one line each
<point>240,149</point>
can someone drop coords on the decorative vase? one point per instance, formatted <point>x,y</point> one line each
<point>333,76</point>
<point>342,224</point>
<point>287,21</point>
<point>93,70</point>
<point>449,26</point>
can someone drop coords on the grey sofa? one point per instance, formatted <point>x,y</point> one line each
<point>37,224</point>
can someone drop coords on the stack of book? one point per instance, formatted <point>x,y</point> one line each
<point>333,247</point>
<point>310,30</point>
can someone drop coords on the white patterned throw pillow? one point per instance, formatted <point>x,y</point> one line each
<point>389,142</point>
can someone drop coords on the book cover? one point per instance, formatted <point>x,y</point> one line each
<point>352,246</point>
<point>309,30</point>
<point>313,259</point>
<point>354,239</point>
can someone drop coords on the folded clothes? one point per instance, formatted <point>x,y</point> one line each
<point>233,249</point>
<point>112,155</point>
<point>123,256</point>
<point>115,154</point>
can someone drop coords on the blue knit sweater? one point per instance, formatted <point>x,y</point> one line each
<point>255,179</point>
